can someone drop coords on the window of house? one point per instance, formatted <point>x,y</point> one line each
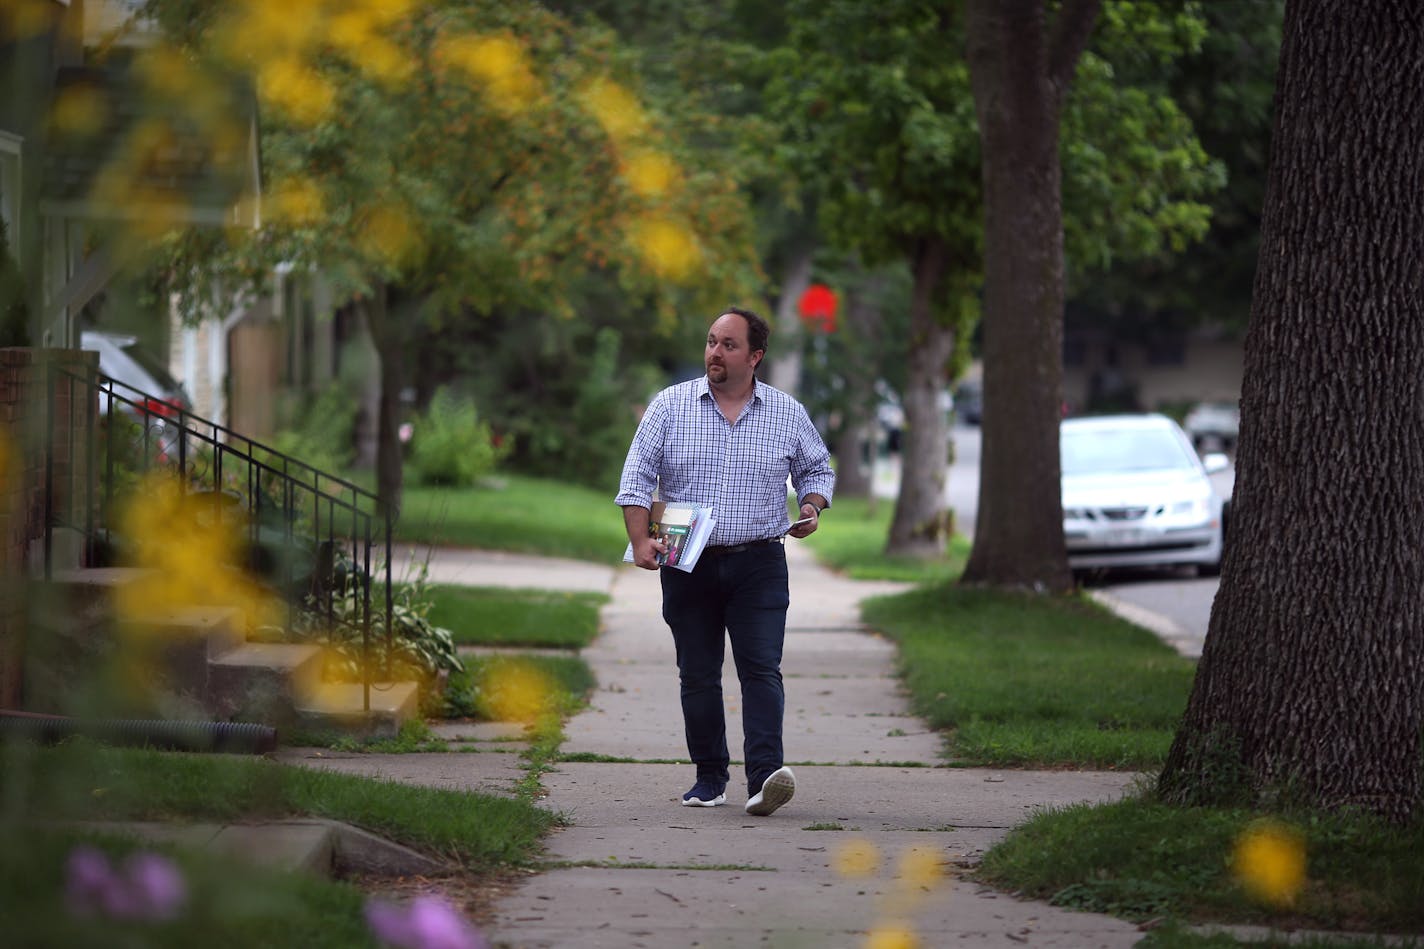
<point>1167,351</point>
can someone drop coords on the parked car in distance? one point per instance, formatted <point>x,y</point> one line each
<point>123,359</point>
<point>969,402</point>
<point>1135,493</point>
<point>1213,426</point>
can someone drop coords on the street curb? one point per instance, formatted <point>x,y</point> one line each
<point>1186,643</point>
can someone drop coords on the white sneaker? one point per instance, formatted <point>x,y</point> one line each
<point>776,790</point>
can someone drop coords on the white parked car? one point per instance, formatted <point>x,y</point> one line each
<point>1135,493</point>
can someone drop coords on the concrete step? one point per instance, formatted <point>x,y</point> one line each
<point>341,706</point>
<point>263,682</point>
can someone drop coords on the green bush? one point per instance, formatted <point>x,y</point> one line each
<point>319,431</point>
<point>451,445</point>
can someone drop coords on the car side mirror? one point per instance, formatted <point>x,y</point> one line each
<point>1214,461</point>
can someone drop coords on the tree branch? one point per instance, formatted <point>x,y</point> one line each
<point>1070,32</point>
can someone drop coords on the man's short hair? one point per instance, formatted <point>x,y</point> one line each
<point>758,331</point>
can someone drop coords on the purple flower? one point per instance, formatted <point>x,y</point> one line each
<point>388,922</point>
<point>156,886</point>
<point>428,923</point>
<point>150,887</point>
<point>88,878</point>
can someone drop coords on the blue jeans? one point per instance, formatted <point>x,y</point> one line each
<point>744,595</point>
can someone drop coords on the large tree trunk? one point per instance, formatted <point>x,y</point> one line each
<point>785,370</point>
<point>920,524</point>
<point>1311,682</point>
<point>1019,73</point>
<point>857,444</point>
<point>388,333</point>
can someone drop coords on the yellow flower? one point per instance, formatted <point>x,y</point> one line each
<point>299,91</point>
<point>668,248</point>
<point>615,108</point>
<point>297,201</point>
<point>650,174</point>
<point>387,233</point>
<point>501,66</point>
<point>892,936</point>
<point>921,867</point>
<point>78,111</point>
<point>856,858</point>
<point>516,691</point>
<point>1269,862</point>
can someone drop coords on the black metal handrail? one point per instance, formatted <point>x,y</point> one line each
<point>316,516</point>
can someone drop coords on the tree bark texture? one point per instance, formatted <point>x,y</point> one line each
<point>785,369</point>
<point>389,336</point>
<point>1019,71</point>
<point>920,524</point>
<point>1311,682</point>
<point>858,440</point>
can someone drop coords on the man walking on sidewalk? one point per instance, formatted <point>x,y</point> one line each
<point>729,442</point>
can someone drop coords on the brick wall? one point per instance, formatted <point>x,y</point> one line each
<point>30,393</point>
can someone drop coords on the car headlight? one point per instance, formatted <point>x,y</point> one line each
<point>1075,514</point>
<point>1196,509</point>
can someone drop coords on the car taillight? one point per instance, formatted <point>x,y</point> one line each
<point>160,408</point>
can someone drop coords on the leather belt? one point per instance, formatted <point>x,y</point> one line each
<point>739,548</point>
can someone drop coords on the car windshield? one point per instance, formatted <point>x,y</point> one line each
<point>1087,450</point>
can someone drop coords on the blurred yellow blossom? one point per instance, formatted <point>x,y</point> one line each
<point>387,233</point>
<point>358,34</point>
<point>921,867</point>
<point>166,70</point>
<point>650,174</point>
<point>24,19</point>
<point>259,31</point>
<point>892,936</point>
<point>299,91</point>
<point>516,691</point>
<point>190,556</point>
<point>499,63</point>
<point>667,247</point>
<point>296,201</point>
<point>1269,862</point>
<point>615,108</point>
<point>79,111</point>
<point>856,858</point>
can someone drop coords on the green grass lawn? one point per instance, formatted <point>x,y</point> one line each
<point>231,904</point>
<point>1028,681</point>
<point>1142,860</point>
<point>519,514</point>
<point>490,616</point>
<point>851,539</point>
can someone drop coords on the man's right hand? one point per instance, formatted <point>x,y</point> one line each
<point>646,551</point>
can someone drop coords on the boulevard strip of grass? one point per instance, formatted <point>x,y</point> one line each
<point>1018,680</point>
<point>1021,680</point>
<point>536,619</point>
<point>1142,860</point>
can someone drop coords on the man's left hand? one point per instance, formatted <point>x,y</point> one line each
<point>806,530</point>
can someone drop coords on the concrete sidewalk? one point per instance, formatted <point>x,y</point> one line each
<point>874,838</point>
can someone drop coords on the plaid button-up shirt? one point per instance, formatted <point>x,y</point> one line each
<point>687,451</point>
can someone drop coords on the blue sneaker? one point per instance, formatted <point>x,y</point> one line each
<point>705,794</point>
